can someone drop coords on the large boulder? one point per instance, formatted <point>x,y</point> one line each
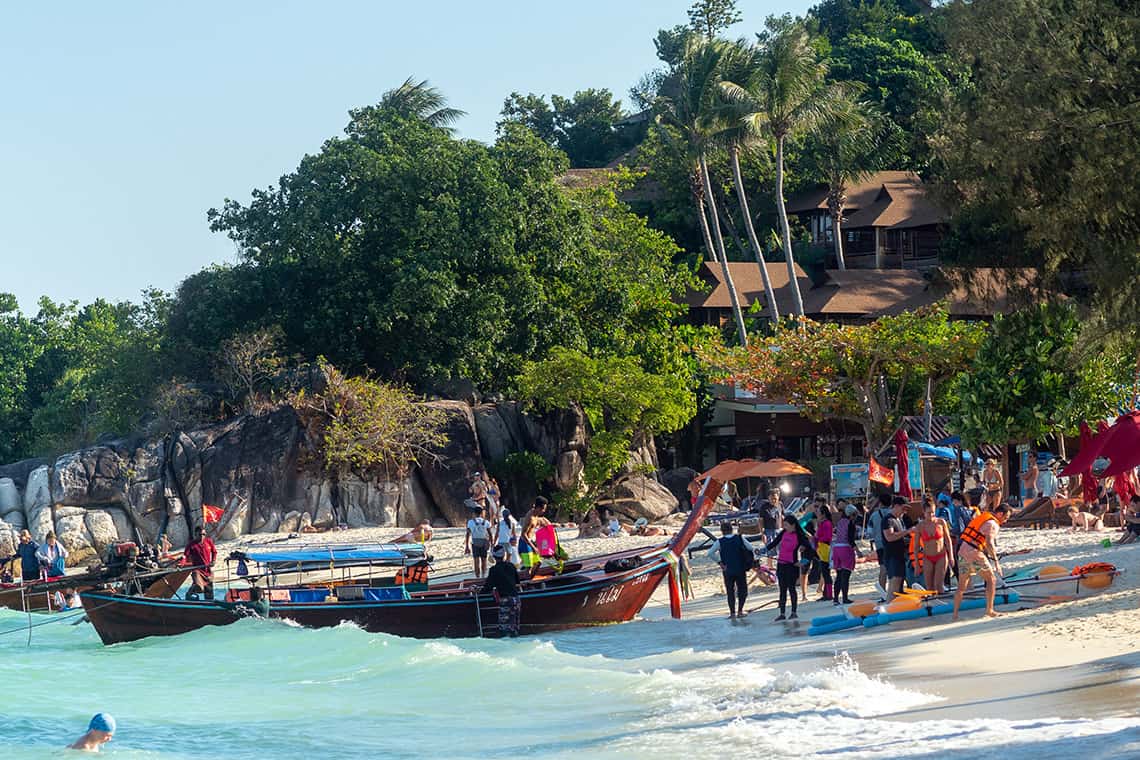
<point>102,529</point>
<point>677,481</point>
<point>447,478</point>
<point>9,538</point>
<point>235,521</point>
<point>37,503</point>
<point>9,497</point>
<point>640,496</point>
<point>18,472</point>
<point>95,476</point>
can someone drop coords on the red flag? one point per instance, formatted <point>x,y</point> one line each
<point>212,514</point>
<point>880,474</point>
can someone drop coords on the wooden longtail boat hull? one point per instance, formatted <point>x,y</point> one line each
<point>37,597</point>
<point>561,603</point>
<point>587,595</point>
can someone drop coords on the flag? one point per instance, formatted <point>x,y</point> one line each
<point>880,474</point>
<point>212,514</point>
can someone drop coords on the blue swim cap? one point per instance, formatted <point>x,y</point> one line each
<point>102,722</point>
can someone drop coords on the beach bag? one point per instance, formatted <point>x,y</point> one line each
<point>547,541</point>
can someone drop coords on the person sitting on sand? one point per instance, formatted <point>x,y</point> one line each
<point>99,732</point>
<point>934,538</point>
<point>1085,521</point>
<point>420,534</point>
<point>591,525</point>
<point>643,528</point>
<point>978,556</point>
<point>1131,520</point>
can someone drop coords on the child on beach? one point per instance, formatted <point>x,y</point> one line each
<point>1085,521</point>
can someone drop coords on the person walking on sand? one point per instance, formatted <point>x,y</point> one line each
<point>99,731</point>
<point>821,568</point>
<point>843,548</point>
<point>936,544</point>
<point>978,551</point>
<point>534,519</point>
<point>789,542</point>
<point>735,556</point>
<point>476,542</point>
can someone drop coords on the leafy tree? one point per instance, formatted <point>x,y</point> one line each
<point>621,401</point>
<point>368,428</point>
<point>405,252</point>
<point>584,127</point>
<point>420,101</point>
<point>869,374</point>
<point>247,363</point>
<point>1032,378</point>
<point>1048,130</point>
<point>711,17</point>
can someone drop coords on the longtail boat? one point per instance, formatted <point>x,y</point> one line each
<point>40,595</point>
<point>597,590</point>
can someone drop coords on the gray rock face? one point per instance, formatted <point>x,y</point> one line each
<point>640,496</point>
<point>677,481</point>
<point>447,479</point>
<point>135,488</point>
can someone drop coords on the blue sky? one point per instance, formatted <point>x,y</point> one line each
<point>121,123</point>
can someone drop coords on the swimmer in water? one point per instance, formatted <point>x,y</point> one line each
<point>99,732</point>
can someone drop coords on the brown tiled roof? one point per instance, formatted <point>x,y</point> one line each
<point>749,285</point>
<point>858,196</point>
<point>870,293</point>
<point>898,205</point>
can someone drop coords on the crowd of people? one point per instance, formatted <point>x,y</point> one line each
<point>943,545</point>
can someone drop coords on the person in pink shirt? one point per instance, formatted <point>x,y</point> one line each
<point>789,543</point>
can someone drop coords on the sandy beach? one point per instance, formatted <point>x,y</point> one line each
<point>1031,660</point>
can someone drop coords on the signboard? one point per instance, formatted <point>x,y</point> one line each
<point>850,481</point>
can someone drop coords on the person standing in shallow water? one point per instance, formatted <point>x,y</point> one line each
<point>503,582</point>
<point>735,556</point>
<point>99,732</point>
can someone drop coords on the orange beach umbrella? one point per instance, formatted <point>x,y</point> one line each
<point>732,469</point>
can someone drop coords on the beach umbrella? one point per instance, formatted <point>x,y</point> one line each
<point>903,464</point>
<point>1122,444</point>
<point>733,469</point>
<point>1090,450</point>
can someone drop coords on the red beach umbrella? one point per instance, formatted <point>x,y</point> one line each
<point>903,484</point>
<point>1122,444</point>
<point>1090,450</point>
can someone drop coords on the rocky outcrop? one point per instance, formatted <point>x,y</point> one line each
<point>261,471</point>
<point>642,496</point>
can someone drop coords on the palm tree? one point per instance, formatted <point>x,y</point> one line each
<point>784,94</point>
<point>739,135</point>
<point>848,149</point>
<point>419,100</point>
<point>688,109</point>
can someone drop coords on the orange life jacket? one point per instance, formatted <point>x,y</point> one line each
<point>413,574</point>
<point>973,535</point>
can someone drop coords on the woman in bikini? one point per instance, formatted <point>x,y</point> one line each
<point>994,483</point>
<point>934,538</point>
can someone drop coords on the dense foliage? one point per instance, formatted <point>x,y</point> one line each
<point>869,374</point>
<point>1032,378</point>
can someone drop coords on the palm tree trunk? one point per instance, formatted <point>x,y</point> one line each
<point>785,230</point>
<point>769,292</point>
<point>714,223</point>
<point>836,223</point>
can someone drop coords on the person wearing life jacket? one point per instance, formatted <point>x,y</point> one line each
<point>417,573</point>
<point>978,556</point>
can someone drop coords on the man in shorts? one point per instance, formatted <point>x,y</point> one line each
<point>477,541</point>
<point>895,537</point>
<point>978,556</point>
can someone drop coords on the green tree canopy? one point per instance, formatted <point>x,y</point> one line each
<point>1032,378</point>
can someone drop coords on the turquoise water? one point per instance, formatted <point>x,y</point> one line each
<point>267,689</point>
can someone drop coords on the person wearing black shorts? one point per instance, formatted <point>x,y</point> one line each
<point>895,544</point>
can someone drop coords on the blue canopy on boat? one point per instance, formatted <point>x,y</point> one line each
<point>339,554</point>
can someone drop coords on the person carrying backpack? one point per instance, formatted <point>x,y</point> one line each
<point>735,556</point>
